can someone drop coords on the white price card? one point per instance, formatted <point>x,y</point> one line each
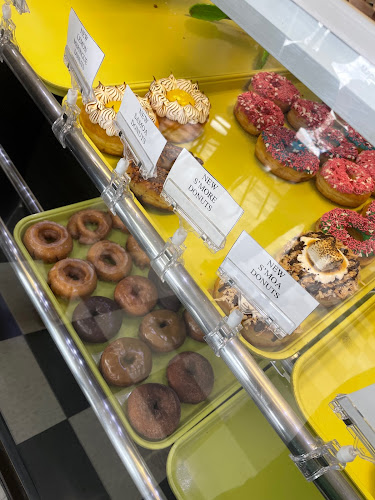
<point>21,6</point>
<point>266,285</point>
<point>201,200</point>
<point>82,55</point>
<point>140,132</point>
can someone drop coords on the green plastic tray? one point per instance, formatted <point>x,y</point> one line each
<point>225,383</point>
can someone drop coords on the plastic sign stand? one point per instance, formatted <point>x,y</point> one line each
<point>139,131</point>
<point>265,285</point>
<point>82,57</point>
<point>201,200</point>
<point>21,6</point>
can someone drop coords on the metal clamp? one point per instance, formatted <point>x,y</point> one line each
<point>7,29</point>
<point>228,328</point>
<point>319,461</point>
<point>118,185</point>
<point>68,119</point>
<point>171,254</point>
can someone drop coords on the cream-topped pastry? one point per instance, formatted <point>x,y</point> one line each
<point>97,117</point>
<point>181,107</point>
<point>322,265</point>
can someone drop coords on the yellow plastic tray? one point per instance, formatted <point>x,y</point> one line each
<point>225,383</point>
<point>233,454</point>
<point>140,39</point>
<point>342,362</point>
<point>275,210</point>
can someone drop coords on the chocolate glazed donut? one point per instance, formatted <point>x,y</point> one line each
<point>154,411</point>
<point>192,327</point>
<point>97,319</point>
<point>162,330</point>
<point>191,376</point>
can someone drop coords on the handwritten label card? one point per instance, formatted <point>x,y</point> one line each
<point>140,132</point>
<point>83,56</point>
<point>201,200</point>
<point>266,285</point>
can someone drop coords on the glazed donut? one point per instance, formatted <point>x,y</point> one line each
<point>191,376</point>
<point>366,159</point>
<point>344,182</point>
<point>154,411</point>
<point>125,362</point>
<point>332,144</point>
<point>254,113</point>
<point>72,278</point>
<point>192,327</point>
<point>276,88</point>
<point>110,260</point>
<point>97,319</point>
<point>162,330</point>
<point>136,295</point>
<point>182,109</point>
<point>97,117</point>
<point>309,115</point>
<point>279,149</point>
<point>118,224</point>
<point>167,298</point>
<point>355,231</point>
<point>79,222</point>
<point>139,256</point>
<point>254,329</point>
<point>325,267</point>
<point>353,136</point>
<point>48,241</point>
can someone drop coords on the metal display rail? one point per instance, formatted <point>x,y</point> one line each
<point>289,427</point>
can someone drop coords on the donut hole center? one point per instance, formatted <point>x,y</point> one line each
<point>49,236</point>
<point>163,324</point>
<point>91,225</point>
<point>107,258</point>
<point>291,147</point>
<point>276,84</point>
<point>74,273</point>
<point>135,291</point>
<point>128,359</point>
<point>354,233</point>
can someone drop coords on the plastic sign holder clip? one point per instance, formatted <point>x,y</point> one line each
<point>324,458</point>
<point>228,328</point>
<point>118,185</point>
<point>67,121</point>
<point>7,26</point>
<point>171,254</point>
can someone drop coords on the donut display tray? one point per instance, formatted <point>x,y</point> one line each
<point>341,363</point>
<point>275,210</point>
<point>225,384</point>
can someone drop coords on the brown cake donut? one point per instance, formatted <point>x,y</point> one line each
<point>154,411</point>
<point>125,362</point>
<point>72,278</point>
<point>48,241</point>
<point>136,295</point>
<point>322,265</point>
<point>110,260</point>
<point>118,224</point>
<point>139,256</point>
<point>162,330</point>
<point>191,376</point>
<point>78,226</point>
<point>192,327</point>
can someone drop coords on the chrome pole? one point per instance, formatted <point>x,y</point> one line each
<point>123,444</point>
<point>239,360</point>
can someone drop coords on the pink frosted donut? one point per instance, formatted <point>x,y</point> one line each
<point>309,114</point>
<point>332,144</point>
<point>356,138</point>
<point>254,113</point>
<point>367,160</point>
<point>276,88</point>
<point>344,182</point>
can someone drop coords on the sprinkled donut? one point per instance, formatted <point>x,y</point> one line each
<point>276,88</point>
<point>367,160</point>
<point>254,113</point>
<point>279,149</point>
<point>309,114</point>
<point>353,230</point>
<point>344,182</point>
<point>332,144</point>
<point>356,138</point>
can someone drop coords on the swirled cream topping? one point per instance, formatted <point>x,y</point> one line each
<point>324,259</point>
<point>179,100</point>
<point>103,111</point>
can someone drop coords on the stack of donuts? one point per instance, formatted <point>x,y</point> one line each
<point>153,409</point>
<point>321,146</point>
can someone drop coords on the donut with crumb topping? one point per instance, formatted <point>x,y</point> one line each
<point>367,160</point>
<point>323,266</point>
<point>255,113</point>
<point>279,150</point>
<point>355,137</point>
<point>344,182</point>
<point>332,144</point>
<point>309,115</point>
<point>276,88</point>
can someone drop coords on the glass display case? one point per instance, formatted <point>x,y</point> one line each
<point>207,338</point>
